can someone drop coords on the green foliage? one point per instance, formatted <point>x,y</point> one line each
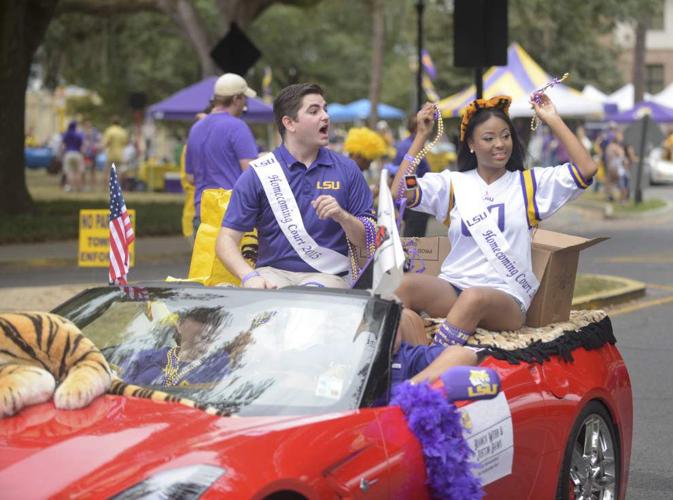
<point>59,220</point>
<point>329,42</point>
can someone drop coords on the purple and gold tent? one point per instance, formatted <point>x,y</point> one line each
<point>185,103</point>
<point>519,79</point>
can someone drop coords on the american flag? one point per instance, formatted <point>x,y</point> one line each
<point>121,233</point>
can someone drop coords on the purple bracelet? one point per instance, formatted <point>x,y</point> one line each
<point>410,159</point>
<point>248,276</point>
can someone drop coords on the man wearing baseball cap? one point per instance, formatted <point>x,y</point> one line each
<point>220,146</point>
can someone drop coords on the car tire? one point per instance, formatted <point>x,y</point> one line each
<point>592,458</point>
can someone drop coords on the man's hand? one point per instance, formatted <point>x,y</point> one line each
<point>258,282</point>
<point>327,207</point>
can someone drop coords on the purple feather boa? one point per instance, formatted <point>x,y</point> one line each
<point>436,424</point>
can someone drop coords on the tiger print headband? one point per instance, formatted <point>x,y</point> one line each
<point>499,102</point>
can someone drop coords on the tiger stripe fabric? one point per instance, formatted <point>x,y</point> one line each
<point>43,355</point>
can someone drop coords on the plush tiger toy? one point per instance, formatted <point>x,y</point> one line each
<point>43,354</point>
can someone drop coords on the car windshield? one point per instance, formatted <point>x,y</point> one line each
<point>243,351</point>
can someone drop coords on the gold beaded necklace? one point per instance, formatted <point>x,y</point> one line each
<point>172,371</point>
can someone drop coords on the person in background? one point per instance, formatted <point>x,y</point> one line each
<point>115,139</point>
<point>187,182</point>
<point>90,150</point>
<point>221,145</point>
<point>73,160</point>
<point>364,146</point>
<point>415,223</point>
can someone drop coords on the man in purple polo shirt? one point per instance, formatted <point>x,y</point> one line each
<point>221,145</point>
<point>319,199</point>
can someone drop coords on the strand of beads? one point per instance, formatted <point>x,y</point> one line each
<point>370,245</point>
<point>537,98</point>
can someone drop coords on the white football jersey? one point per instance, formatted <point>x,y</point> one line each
<point>517,201</point>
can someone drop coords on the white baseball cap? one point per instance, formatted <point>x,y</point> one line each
<point>231,84</point>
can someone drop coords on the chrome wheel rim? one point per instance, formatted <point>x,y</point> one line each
<point>593,467</point>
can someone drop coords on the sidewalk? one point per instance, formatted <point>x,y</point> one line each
<point>64,253</point>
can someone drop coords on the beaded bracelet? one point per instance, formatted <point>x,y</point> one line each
<point>249,276</point>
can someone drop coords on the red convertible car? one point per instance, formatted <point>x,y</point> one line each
<point>303,377</point>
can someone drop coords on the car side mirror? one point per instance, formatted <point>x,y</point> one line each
<point>470,382</point>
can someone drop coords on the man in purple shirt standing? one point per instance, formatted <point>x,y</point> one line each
<point>73,160</point>
<point>310,205</point>
<point>221,145</point>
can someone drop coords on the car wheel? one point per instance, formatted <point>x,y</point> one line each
<point>591,464</point>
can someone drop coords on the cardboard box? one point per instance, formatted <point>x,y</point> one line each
<point>555,259</point>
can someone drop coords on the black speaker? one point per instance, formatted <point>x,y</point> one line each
<point>480,33</point>
<point>137,100</point>
<point>235,53</point>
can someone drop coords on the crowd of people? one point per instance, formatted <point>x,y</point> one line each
<point>83,155</point>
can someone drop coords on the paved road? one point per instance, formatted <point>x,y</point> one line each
<point>641,249</point>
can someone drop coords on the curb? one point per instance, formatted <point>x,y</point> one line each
<point>629,290</point>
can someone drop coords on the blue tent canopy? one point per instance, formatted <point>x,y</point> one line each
<point>360,110</point>
<point>185,103</point>
<point>657,112</point>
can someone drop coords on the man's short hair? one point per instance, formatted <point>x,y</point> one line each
<point>288,101</point>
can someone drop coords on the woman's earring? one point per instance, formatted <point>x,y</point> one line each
<point>472,151</point>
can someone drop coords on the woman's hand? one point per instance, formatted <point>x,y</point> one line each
<point>544,108</point>
<point>425,119</point>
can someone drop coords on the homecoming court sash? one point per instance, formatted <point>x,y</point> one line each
<point>287,214</point>
<point>490,239</point>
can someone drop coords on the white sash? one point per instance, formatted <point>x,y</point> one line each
<point>286,212</point>
<point>490,239</point>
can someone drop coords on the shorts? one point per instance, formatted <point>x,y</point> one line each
<point>282,278</point>
<point>522,306</point>
<point>73,161</point>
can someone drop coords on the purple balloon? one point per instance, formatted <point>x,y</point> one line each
<point>470,382</point>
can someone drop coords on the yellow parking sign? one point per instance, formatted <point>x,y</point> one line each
<point>94,234</point>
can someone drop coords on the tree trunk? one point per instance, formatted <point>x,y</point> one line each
<point>377,60</point>
<point>22,26</point>
<point>639,61</point>
<point>184,14</point>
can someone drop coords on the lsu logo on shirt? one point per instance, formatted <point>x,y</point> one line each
<point>331,185</point>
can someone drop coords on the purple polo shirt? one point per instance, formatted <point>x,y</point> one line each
<point>332,174</point>
<point>214,147</point>
<point>412,359</point>
<point>72,141</point>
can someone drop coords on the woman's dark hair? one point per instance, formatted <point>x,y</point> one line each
<point>288,101</point>
<point>468,161</point>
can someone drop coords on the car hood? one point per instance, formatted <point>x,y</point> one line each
<point>117,442</point>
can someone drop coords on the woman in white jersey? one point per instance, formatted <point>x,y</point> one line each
<point>491,207</point>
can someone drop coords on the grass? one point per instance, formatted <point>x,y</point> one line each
<point>594,199</point>
<point>57,216</point>
<point>590,284</point>
<point>632,208</point>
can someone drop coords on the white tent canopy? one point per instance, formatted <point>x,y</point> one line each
<point>568,102</point>
<point>665,97</point>
<point>591,92</point>
<point>623,97</point>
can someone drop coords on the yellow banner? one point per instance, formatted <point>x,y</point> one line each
<point>94,233</point>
